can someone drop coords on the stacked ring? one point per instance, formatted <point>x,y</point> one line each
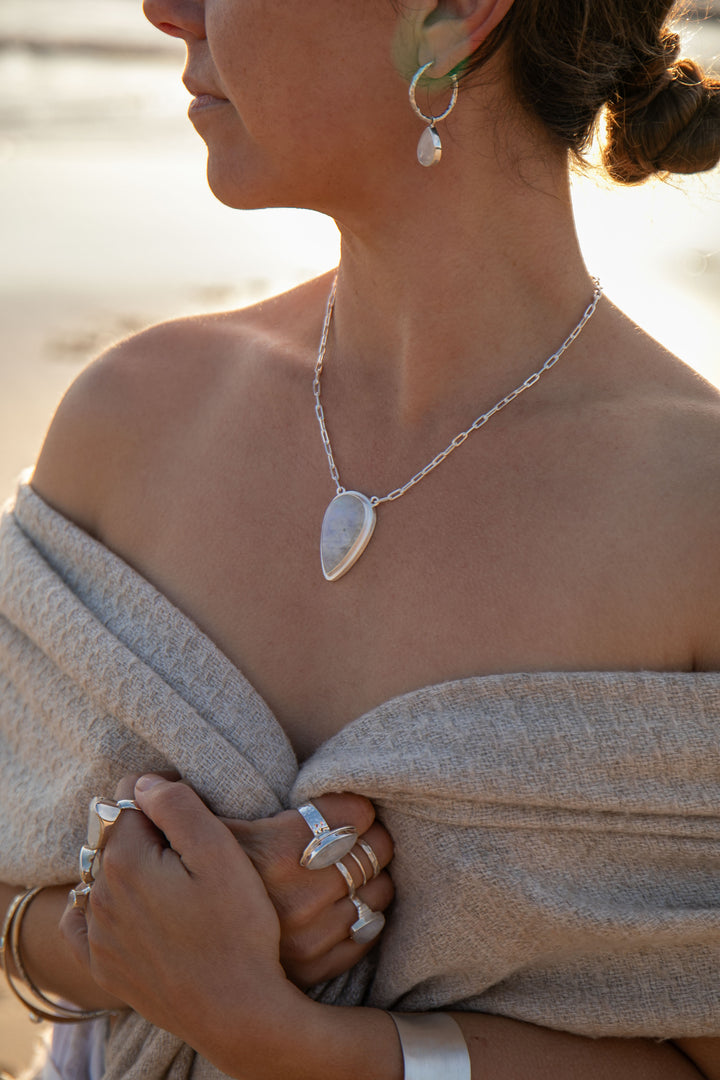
<point>357,861</point>
<point>348,878</point>
<point>369,923</point>
<point>372,857</point>
<point>328,845</point>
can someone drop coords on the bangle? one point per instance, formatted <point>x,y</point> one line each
<point>11,955</point>
<point>432,1046</point>
<point>4,935</point>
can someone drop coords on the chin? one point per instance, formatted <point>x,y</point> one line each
<point>232,185</point>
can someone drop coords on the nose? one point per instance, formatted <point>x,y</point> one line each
<point>178,18</point>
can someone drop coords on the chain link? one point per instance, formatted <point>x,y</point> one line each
<point>461,436</point>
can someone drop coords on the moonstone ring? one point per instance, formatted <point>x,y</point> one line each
<point>368,924</point>
<point>102,815</point>
<point>328,845</point>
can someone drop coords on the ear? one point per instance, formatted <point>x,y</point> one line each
<point>449,31</point>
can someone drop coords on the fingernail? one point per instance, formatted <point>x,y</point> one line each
<point>149,780</point>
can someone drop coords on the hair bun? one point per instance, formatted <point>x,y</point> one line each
<point>666,122</point>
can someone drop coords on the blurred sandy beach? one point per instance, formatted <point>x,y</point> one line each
<point>107,225</point>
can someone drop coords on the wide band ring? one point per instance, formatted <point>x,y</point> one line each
<point>103,814</point>
<point>368,924</point>
<point>328,845</point>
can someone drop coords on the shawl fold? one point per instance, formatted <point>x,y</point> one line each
<point>557,835</point>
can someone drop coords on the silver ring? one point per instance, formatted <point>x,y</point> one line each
<point>348,878</point>
<point>372,857</point>
<point>328,845</point>
<point>368,924</point>
<point>79,896</point>
<point>88,866</point>
<point>363,871</point>
<point>103,814</point>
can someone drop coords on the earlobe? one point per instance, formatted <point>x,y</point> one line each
<point>452,32</point>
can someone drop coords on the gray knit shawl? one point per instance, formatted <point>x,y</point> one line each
<point>557,834</point>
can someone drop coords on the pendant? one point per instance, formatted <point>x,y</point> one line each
<point>429,150</point>
<point>346,530</point>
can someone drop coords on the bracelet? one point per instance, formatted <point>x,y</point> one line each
<point>4,935</point>
<point>433,1046</point>
<point>11,956</point>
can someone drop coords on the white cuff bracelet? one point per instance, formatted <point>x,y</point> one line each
<point>433,1046</point>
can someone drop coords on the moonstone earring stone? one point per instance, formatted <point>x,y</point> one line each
<point>429,149</point>
<point>346,529</point>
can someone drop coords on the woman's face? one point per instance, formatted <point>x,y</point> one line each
<point>297,102</point>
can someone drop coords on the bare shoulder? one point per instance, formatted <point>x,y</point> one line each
<point>661,423</point>
<point>165,385</point>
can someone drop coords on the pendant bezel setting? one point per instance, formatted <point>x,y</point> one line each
<point>335,565</point>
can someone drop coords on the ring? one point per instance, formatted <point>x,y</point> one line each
<point>328,845</point>
<point>79,896</point>
<point>102,815</point>
<point>368,924</point>
<point>348,878</point>
<point>363,871</point>
<point>371,856</point>
<point>87,864</point>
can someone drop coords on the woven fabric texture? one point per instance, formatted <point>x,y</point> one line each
<point>557,835</point>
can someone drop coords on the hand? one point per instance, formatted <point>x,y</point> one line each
<point>313,908</point>
<point>180,926</point>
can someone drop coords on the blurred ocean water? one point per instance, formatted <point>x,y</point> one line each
<point>106,222</point>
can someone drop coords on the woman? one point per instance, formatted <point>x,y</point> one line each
<point>549,544</point>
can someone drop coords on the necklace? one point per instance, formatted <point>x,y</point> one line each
<point>349,520</point>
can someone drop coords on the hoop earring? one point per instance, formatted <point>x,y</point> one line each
<point>429,150</point>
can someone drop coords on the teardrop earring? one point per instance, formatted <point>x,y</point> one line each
<point>429,149</point>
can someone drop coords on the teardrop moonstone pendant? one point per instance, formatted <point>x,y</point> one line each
<point>346,530</point>
<point>429,150</point>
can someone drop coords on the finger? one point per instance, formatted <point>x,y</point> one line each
<point>276,844</point>
<point>359,863</point>
<point>344,809</point>
<point>338,960</point>
<point>193,831</point>
<point>125,788</point>
<point>322,950</point>
<point>308,939</point>
<point>73,927</point>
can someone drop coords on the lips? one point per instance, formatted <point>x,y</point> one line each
<point>201,101</point>
<point>203,93</point>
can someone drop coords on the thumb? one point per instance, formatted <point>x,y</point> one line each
<point>191,829</point>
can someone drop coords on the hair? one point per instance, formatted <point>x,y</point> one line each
<point>572,60</point>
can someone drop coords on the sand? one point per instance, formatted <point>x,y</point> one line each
<point>18,1035</point>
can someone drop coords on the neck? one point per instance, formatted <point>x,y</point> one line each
<point>456,287</point>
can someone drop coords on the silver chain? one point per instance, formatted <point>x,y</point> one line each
<point>462,436</point>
